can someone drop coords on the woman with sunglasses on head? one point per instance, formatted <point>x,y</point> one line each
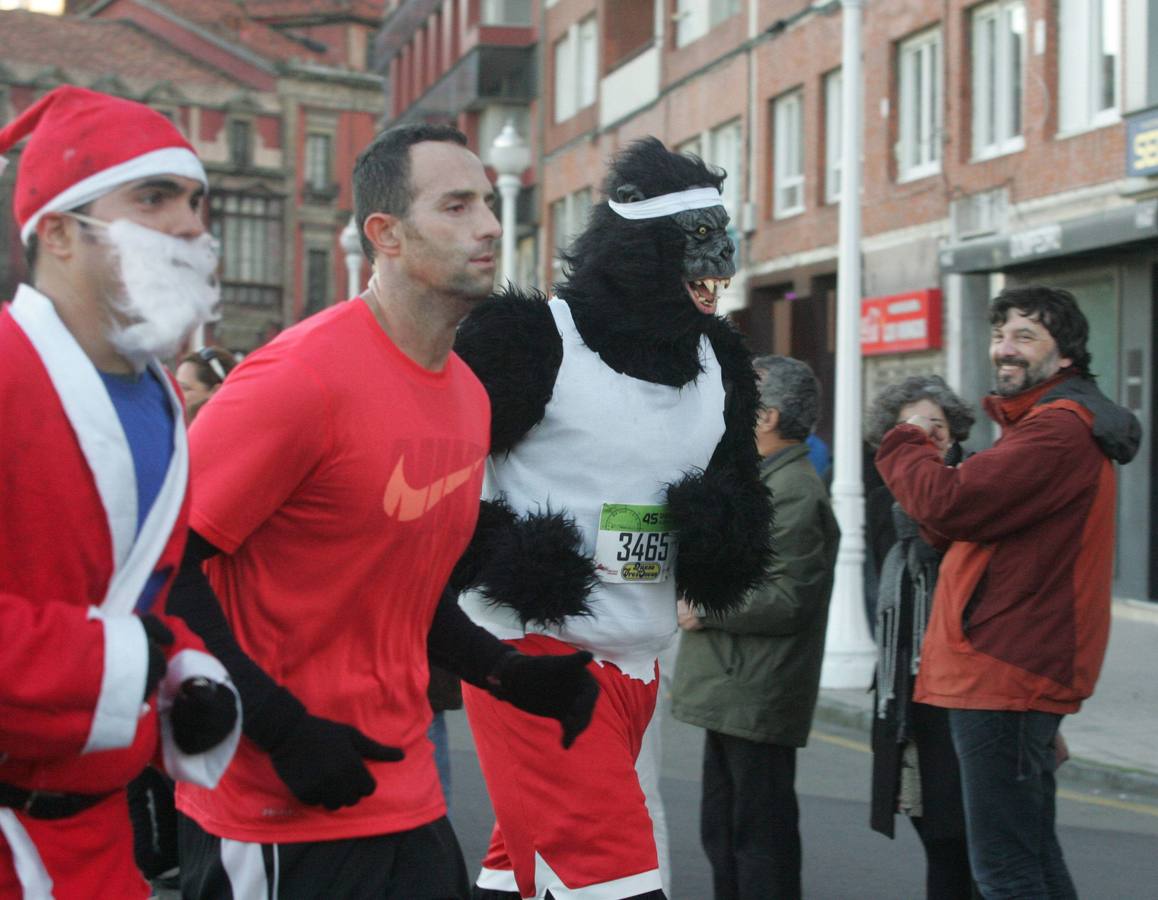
<point>200,374</point>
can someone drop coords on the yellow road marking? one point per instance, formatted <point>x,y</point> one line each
<point>847,743</point>
<point>1112,802</point>
<point>1144,809</point>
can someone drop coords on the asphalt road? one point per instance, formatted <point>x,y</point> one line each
<point>1111,842</point>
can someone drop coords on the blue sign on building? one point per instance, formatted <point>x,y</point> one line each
<point>1142,143</point>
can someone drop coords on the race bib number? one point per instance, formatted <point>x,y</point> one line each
<point>635,544</point>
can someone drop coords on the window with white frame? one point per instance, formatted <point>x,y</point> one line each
<point>241,143</point>
<point>565,89</point>
<point>587,64</point>
<point>568,218</point>
<point>833,141</point>
<point>724,151</point>
<point>249,227</point>
<point>319,161</point>
<point>506,12</point>
<point>1089,53</point>
<point>576,69</point>
<point>788,155</point>
<point>720,147</point>
<point>919,78</point>
<point>998,77</point>
<point>691,21</point>
<point>721,10</point>
<point>695,18</point>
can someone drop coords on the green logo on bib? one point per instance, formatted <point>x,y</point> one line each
<point>630,517</point>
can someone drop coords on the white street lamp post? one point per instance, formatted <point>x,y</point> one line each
<point>352,247</point>
<point>509,156</point>
<point>849,653</point>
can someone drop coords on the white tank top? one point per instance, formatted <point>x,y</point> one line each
<point>602,454</point>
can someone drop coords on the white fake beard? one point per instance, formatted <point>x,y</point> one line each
<point>168,288</point>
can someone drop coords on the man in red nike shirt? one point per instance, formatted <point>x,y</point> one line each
<point>338,475</point>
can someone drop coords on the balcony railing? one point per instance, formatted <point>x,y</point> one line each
<point>485,75</point>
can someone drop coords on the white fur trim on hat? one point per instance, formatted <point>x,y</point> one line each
<point>666,204</point>
<point>166,161</point>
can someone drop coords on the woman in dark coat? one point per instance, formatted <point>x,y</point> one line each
<point>914,766</point>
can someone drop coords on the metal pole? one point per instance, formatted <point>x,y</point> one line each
<point>352,247</point>
<point>849,653</point>
<point>509,156</point>
<point>508,186</point>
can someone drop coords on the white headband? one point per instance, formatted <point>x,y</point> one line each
<point>666,204</point>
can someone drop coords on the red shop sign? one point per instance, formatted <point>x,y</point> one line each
<point>901,323</point>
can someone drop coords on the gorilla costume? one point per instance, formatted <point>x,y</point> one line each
<point>623,470</point>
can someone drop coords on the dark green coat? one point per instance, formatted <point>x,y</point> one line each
<point>755,673</point>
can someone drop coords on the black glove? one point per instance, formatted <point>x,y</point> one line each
<point>154,818</point>
<point>159,637</point>
<point>203,714</point>
<point>557,687</point>
<point>321,761</point>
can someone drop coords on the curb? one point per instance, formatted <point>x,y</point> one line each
<point>1078,772</point>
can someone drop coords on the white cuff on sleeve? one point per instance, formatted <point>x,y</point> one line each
<point>204,769</point>
<point>126,666</point>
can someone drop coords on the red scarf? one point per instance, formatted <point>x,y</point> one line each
<point>1007,410</point>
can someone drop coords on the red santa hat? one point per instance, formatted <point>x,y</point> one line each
<point>82,144</point>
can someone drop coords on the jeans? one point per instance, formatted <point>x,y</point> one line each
<point>1007,781</point>
<point>749,819</point>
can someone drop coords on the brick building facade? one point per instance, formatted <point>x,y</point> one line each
<point>1004,141</point>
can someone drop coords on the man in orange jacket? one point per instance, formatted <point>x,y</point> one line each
<point>1021,614</point>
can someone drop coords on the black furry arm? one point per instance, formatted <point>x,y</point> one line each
<point>724,514</point>
<point>495,520</point>
<point>534,564</point>
<point>511,343</point>
<point>737,448</point>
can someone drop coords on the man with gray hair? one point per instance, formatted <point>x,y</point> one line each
<point>751,677</point>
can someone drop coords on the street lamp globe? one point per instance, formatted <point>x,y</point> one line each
<point>509,156</point>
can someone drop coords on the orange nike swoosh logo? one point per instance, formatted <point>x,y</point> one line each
<point>408,503</point>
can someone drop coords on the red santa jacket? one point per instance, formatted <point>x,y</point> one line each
<point>73,655</point>
<point>1021,613</point>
